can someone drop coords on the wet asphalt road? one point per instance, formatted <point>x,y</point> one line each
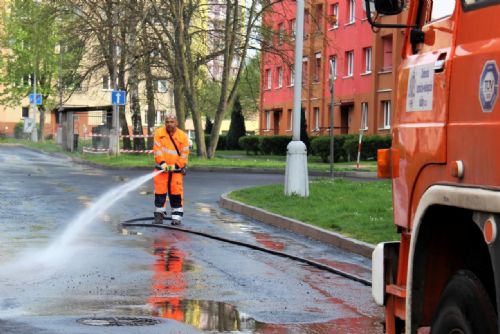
<point>190,283</point>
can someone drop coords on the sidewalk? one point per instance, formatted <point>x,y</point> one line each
<point>313,232</point>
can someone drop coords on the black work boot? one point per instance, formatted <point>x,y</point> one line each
<point>158,218</point>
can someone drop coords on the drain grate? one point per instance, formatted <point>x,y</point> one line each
<point>118,321</point>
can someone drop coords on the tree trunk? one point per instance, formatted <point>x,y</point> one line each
<point>150,96</point>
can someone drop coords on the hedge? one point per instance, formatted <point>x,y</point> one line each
<point>221,144</point>
<point>275,145</point>
<point>346,146</point>
<point>249,144</point>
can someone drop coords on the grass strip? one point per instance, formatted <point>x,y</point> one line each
<point>224,159</point>
<point>360,210</point>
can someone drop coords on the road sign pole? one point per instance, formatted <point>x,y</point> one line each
<point>34,132</point>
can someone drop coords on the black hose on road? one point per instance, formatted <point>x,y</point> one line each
<point>135,222</point>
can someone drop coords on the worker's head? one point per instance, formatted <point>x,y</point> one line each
<point>171,122</point>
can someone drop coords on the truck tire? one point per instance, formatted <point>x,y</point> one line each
<point>464,307</point>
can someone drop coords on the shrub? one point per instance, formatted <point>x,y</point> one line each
<point>237,126</point>
<point>249,144</point>
<point>275,145</point>
<point>19,131</point>
<point>221,144</point>
<point>369,146</point>
<point>321,146</point>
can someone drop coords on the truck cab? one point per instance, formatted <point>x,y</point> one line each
<point>443,275</point>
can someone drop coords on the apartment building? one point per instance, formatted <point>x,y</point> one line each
<point>336,35</point>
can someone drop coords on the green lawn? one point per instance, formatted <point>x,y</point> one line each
<point>361,210</point>
<point>227,159</point>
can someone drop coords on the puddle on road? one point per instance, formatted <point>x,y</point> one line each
<point>202,314</point>
<point>212,316</point>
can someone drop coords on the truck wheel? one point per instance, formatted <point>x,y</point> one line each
<point>464,307</point>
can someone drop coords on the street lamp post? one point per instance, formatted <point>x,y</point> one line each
<point>296,175</point>
<point>332,110</point>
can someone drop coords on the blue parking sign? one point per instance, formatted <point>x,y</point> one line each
<point>35,99</point>
<point>118,97</point>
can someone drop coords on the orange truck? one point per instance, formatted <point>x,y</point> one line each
<point>443,275</point>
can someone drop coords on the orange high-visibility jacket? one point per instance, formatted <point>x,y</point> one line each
<point>164,149</point>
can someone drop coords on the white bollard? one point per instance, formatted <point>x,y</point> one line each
<point>296,175</point>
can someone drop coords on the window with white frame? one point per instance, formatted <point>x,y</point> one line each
<point>268,120</point>
<point>387,114</point>
<point>317,67</point>
<point>280,77</point>
<point>292,75</point>
<point>349,63</point>
<point>162,86</point>
<point>368,59</point>
<point>293,27</point>
<point>281,33</point>
<point>290,119</point>
<point>334,16</point>
<point>269,79</point>
<point>316,119</point>
<point>304,70</point>
<point>333,66</point>
<point>352,11</point>
<point>106,82</point>
<point>364,116</point>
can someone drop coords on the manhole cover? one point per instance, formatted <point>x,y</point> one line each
<point>118,321</point>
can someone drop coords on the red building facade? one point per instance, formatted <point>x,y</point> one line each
<point>336,33</point>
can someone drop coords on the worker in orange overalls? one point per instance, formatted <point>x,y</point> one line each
<point>171,151</point>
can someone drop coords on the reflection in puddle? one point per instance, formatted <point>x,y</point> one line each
<point>202,314</point>
<point>266,240</point>
<point>125,231</point>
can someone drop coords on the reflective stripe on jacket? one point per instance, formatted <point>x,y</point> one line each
<point>164,149</point>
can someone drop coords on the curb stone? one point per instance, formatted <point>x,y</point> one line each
<point>335,239</point>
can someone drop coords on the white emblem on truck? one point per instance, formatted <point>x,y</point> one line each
<point>488,86</point>
<point>420,88</point>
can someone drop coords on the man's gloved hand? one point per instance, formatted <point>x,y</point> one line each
<point>163,166</point>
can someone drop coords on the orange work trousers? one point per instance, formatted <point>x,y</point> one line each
<point>169,183</point>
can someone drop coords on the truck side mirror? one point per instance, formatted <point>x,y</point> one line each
<point>384,7</point>
<point>389,7</point>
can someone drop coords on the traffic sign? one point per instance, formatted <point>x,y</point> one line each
<point>488,86</point>
<point>118,97</point>
<point>35,99</point>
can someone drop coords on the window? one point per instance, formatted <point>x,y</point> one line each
<point>316,119</point>
<point>349,63</point>
<point>268,79</point>
<point>268,120</point>
<point>334,16</point>
<point>352,11</point>
<point>443,9</point>
<point>293,27</point>
<point>292,75</point>
<point>290,119</point>
<point>106,82</point>
<point>367,54</point>
<point>318,17</point>
<point>333,66</point>
<point>26,112</point>
<point>306,24</point>
<point>281,33</point>
<point>317,67</point>
<point>364,116</point>
<point>162,86</point>
<point>387,56</point>
<point>387,114</point>
<point>160,116</point>
<point>280,77</point>
<point>304,70</point>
